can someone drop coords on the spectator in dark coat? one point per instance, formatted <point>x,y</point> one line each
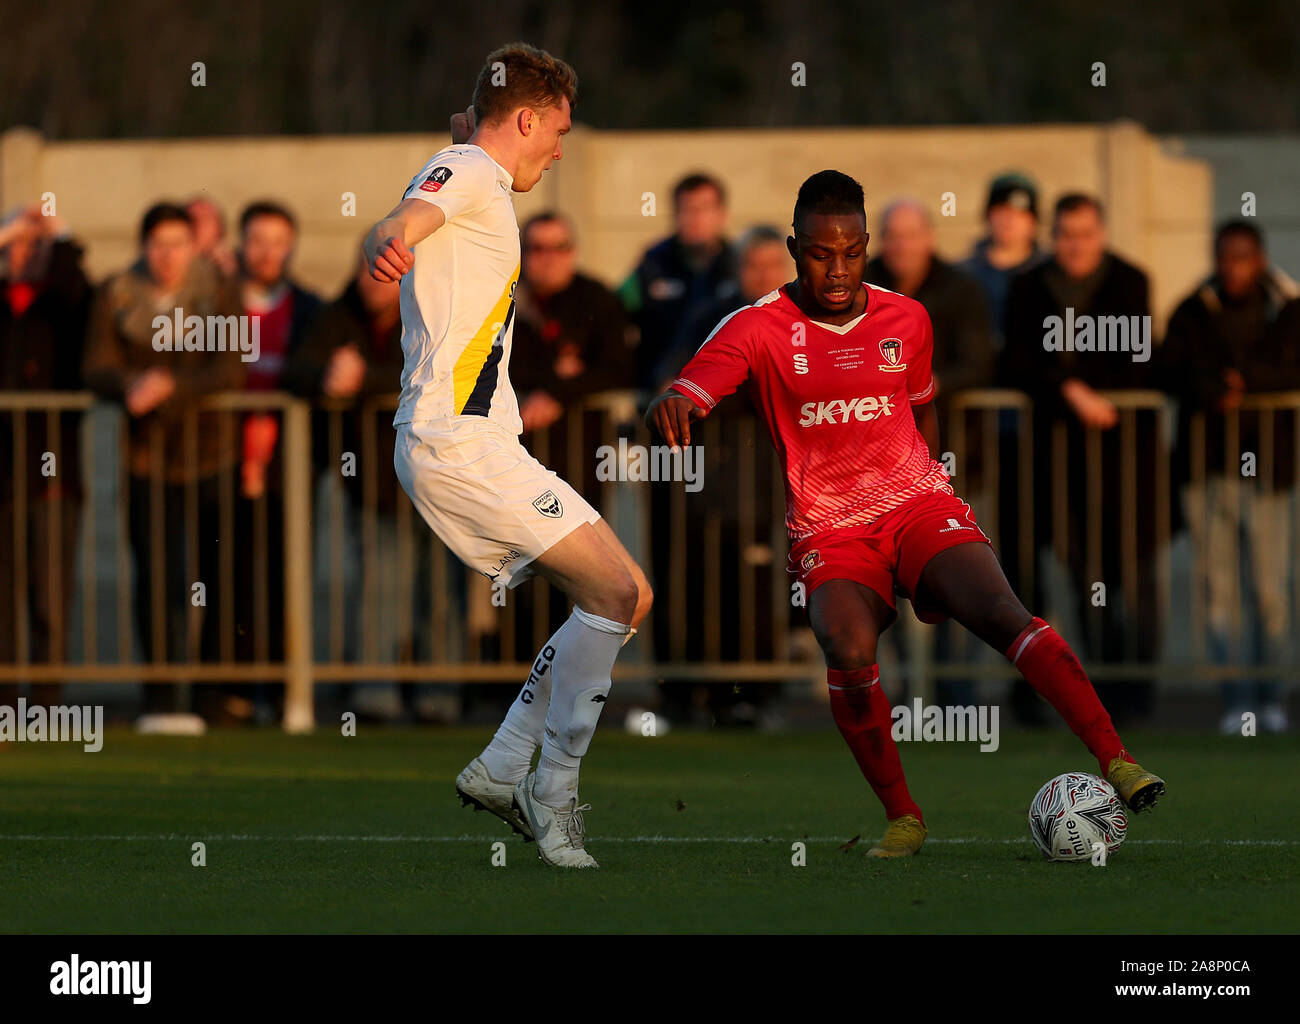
<point>681,274</point>
<point>44,302</point>
<point>573,340</point>
<point>572,336</point>
<point>1238,334</point>
<point>908,264</point>
<point>1082,283</point>
<point>351,363</point>
<point>128,361</point>
<point>763,265</point>
<point>353,352</point>
<point>736,533</point>
<point>283,311</point>
<point>963,358</point>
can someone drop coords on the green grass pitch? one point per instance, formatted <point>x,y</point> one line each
<point>693,833</point>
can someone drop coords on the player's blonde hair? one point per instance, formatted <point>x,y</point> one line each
<point>518,75</point>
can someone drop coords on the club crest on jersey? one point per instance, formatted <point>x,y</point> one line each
<point>436,179</point>
<point>548,505</point>
<point>810,561</point>
<point>892,351</point>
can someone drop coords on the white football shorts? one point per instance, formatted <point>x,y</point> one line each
<point>495,506</point>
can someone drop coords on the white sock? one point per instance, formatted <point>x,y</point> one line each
<point>510,754</point>
<point>585,649</point>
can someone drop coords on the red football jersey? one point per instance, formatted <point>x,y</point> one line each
<point>837,402</point>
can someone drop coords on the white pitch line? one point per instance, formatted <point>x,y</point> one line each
<point>975,841</point>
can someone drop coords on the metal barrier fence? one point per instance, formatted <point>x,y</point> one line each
<point>333,557</point>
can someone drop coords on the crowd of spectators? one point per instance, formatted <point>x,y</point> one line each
<point>1237,334</point>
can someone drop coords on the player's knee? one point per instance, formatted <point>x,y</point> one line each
<point>645,598</point>
<point>847,645</point>
<point>619,597</point>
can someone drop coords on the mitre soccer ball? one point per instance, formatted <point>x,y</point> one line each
<point>1074,813</point>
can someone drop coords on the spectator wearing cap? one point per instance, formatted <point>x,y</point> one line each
<point>1009,248</point>
<point>682,274</point>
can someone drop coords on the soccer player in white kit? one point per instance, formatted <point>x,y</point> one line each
<point>453,242</point>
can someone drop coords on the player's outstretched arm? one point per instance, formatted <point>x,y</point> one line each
<point>388,246</point>
<point>671,415</point>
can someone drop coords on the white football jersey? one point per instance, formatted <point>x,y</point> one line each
<point>458,301</point>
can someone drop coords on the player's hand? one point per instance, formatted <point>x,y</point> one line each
<point>462,126</point>
<point>671,415</point>
<point>1092,409</point>
<point>389,260</point>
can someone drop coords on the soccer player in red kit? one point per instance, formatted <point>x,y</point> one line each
<point>840,372</point>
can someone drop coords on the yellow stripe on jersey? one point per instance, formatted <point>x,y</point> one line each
<point>475,354</point>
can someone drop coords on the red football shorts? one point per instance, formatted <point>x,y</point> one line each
<point>892,550</point>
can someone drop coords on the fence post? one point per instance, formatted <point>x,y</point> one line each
<point>299,707</point>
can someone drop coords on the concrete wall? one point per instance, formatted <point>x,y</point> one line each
<point>1161,202</point>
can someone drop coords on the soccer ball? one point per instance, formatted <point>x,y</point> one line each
<point>1074,812</point>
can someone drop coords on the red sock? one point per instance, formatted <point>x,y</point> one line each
<point>1051,668</point>
<point>861,710</point>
